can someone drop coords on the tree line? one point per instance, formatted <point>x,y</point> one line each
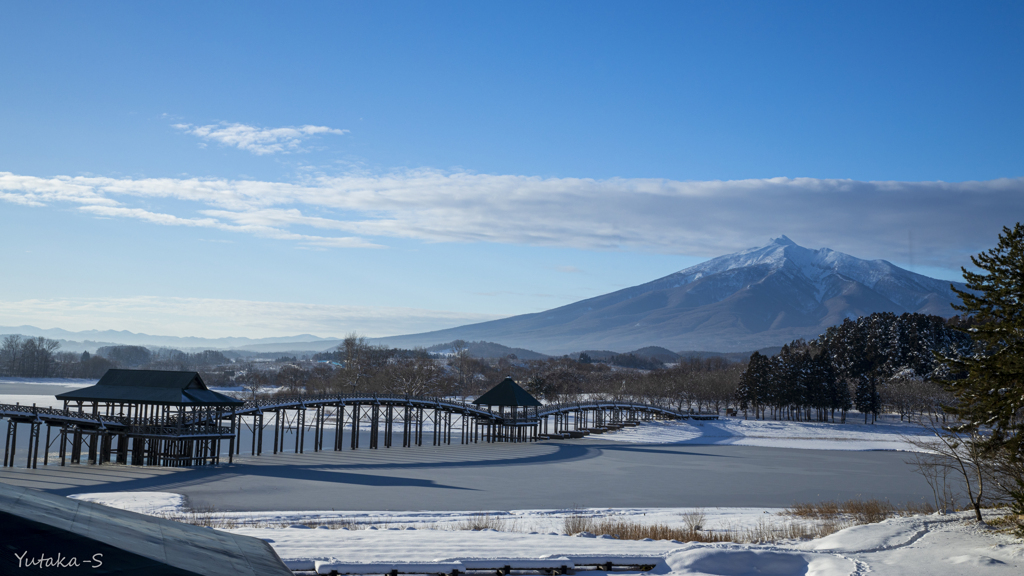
<point>881,362</point>
<point>42,358</point>
<point>692,384</point>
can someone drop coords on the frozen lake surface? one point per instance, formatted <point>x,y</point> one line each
<point>547,475</point>
<point>726,463</point>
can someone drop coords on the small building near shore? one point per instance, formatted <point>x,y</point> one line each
<point>511,400</point>
<point>162,417</point>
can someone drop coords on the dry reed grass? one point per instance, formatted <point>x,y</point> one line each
<point>488,522</point>
<point>859,511</point>
<point>814,521</point>
<point>766,531</point>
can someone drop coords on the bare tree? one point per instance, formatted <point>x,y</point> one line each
<point>10,354</point>
<point>417,376</point>
<point>957,454</point>
<point>459,361</point>
<point>253,380</point>
<point>935,470</point>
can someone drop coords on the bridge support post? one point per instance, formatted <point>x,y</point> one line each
<point>318,442</point>
<point>76,446</point>
<point>234,439</point>
<point>355,426</point>
<point>406,436</point>
<point>102,448</point>
<point>241,424</point>
<point>136,452</point>
<point>339,426</point>
<point>418,432</point>
<point>374,422</point>
<point>92,447</point>
<point>122,448</point>
<point>9,446</point>
<point>277,427</point>
<point>46,452</point>
<point>258,432</point>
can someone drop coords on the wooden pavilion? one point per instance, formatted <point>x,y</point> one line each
<point>516,416</point>
<point>153,417</point>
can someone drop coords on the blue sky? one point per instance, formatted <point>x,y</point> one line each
<point>259,169</point>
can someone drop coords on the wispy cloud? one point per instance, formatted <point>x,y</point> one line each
<point>254,229</point>
<point>258,140</point>
<point>215,318</point>
<point>868,219</point>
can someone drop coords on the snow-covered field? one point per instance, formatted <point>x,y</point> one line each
<point>42,401</point>
<point>927,544</point>
<point>933,544</point>
<point>540,521</point>
<point>70,383</point>
<point>887,434</point>
<point>38,391</point>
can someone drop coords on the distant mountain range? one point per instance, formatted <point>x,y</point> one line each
<point>89,340</point>
<point>749,300</point>
<point>754,299</point>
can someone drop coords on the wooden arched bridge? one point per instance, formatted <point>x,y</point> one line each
<point>186,424</point>
<point>442,420</point>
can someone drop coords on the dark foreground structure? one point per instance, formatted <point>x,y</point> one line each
<point>51,535</point>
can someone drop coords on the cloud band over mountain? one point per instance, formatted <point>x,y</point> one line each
<point>943,222</point>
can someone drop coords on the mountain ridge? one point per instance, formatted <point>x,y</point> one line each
<point>756,298</point>
<point>125,337</point>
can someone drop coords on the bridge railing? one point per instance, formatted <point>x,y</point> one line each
<point>312,401</point>
<point>562,407</point>
<point>22,411</point>
<point>191,430</point>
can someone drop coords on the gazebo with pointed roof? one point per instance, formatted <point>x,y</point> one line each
<point>516,416</point>
<point>507,393</point>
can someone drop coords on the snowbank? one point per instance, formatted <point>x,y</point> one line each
<point>934,544</point>
<point>152,503</point>
<point>887,434</point>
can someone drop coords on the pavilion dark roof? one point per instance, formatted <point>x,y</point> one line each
<point>151,387</point>
<point>507,393</point>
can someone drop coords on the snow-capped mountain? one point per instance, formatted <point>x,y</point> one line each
<point>752,299</point>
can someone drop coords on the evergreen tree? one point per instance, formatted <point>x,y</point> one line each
<point>750,392</point>
<point>867,399</point>
<point>990,394</point>
<point>839,398</point>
